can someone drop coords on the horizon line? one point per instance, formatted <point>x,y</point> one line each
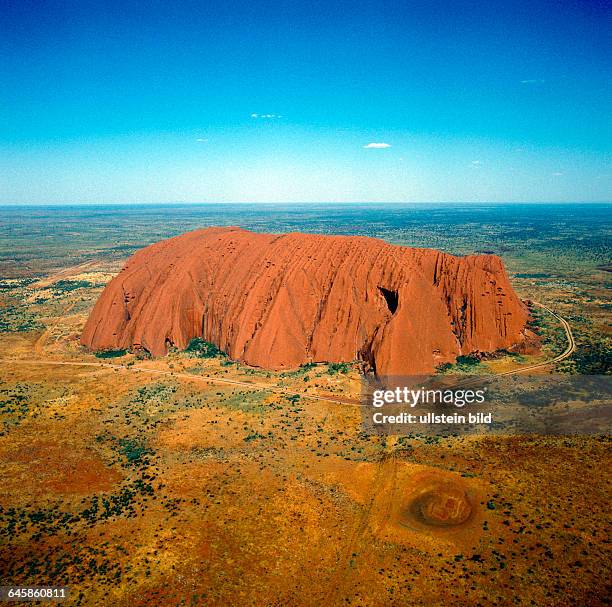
<point>313,202</point>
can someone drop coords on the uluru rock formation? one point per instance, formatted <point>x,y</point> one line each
<point>281,300</point>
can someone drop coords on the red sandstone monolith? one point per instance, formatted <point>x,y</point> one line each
<point>281,300</point>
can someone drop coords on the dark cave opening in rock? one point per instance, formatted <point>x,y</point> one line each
<point>391,297</point>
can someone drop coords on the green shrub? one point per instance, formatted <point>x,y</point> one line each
<point>593,359</point>
<point>334,368</point>
<point>468,361</point>
<point>71,285</point>
<point>132,450</point>
<point>200,348</point>
<point>110,353</point>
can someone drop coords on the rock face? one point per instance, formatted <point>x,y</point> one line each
<point>278,301</point>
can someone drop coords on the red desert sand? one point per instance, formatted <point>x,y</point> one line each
<point>282,300</point>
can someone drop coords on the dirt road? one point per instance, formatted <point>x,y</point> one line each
<point>277,389</point>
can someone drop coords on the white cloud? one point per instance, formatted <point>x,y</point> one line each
<point>376,146</point>
<point>533,81</point>
<point>557,174</point>
<point>476,163</point>
<point>201,140</point>
<point>268,116</point>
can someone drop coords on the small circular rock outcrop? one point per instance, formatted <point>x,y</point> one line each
<point>441,505</point>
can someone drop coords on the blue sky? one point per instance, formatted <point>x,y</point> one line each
<point>278,101</point>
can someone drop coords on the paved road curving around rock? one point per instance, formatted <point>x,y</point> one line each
<point>571,345</point>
